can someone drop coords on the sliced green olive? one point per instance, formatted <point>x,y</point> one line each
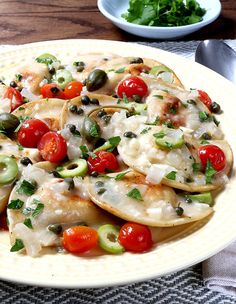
<point>90,129</point>
<point>169,138</point>
<point>62,78</point>
<point>108,239</point>
<point>96,79</point>
<point>8,169</point>
<point>8,122</point>
<point>46,58</point>
<point>77,167</point>
<point>205,198</point>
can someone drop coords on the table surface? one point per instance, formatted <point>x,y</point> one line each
<point>30,20</point>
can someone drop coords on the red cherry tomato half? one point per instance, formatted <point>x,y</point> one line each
<point>31,132</point>
<point>73,89</point>
<point>79,239</point>
<point>52,147</point>
<point>52,90</point>
<point>15,96</point>
<point>132,86</point>
<point>214,154</point>
<point>103,163</point>
<point>205,98</point>
<point>135,237</point>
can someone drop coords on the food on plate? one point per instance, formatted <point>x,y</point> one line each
<point>164,12</point>
<point>99,152</point>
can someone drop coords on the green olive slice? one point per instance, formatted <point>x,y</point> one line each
<point>77,167</point>
<point>62,78</point>
<point>8,169</point>
<point>108,239</point>
<point>169,138</point>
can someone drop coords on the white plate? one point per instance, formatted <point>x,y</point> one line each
<point>112,9</point>
<point>189,244</point>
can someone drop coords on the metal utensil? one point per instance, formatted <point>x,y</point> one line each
<point>218,56</point>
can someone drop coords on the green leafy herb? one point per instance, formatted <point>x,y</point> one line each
<point>17,246</point>
<point>159,96</point>
<point>20,147</point>
<point>160,134</point>
<point>216,121</point>
<point>94,131</point>
<point>114,142</point>
<point>25,100</point>
<point>92,154</point>
<point>21,108</point>
<point>209,172</point>
<point>171,175</point>
<point>18,77</point>
<point>120,70</point>
<point>15,204</point>
<point>28,223</point>
<point>121,175</point>
<point>196,167</point>
<point>22,119</point>
<point>46,60</point>
<point>155,122</point>
<point>84,150</point>
<point>27,188</point>
<point>144,131</point>
<point>204,142</point>
<point>39,208</point>
<point>135,194</point>
<point>164,12</point>
<point>203,116</point>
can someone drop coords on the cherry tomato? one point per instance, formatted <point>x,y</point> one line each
<point>15,96</point>
<point>73,89</point>
<point>79,239</point>
<point>52,147</point>
<point>214,154</point>
<point>205,98</point>
<point>103,163</point>
<point>135,237</point>
<point>31,132</point>
<point>52,90</point>
<point>132,86</point>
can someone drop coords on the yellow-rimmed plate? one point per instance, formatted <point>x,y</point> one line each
<point>177,248</point>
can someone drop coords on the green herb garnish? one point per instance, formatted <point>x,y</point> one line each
<point>171,175</point>
<point>15,204</point>
<point>135,194</point>
<point>120,70</point>
<point>28,223</point>
<point>18,77</point>
<point>39,208</point>
<point>196,167</point>
<point>209,172</point>
<point>164,12</point>
<point>27,188</point>
<point>84,150</point>
<point>121,175</point>
<point>144,131</point>
<point>17,246</point>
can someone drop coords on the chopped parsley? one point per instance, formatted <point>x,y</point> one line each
<point>121,175</point>
<point>158,96</point>
<point>84,150</point>
<point>27,188</point>
<point>196,167</point>
<point>160,134</point>
<point>144,131</point>
<point>120,70</point>
<point>39,208</point>
<point>15,204</point>
<point>209,172</point>
<point>203,116</point>
<point>94,131</point>
<point>171,175</point>
<point>135,194</point>
<point>28,223</point>
<point>114,142</point>
<point>18,77</point>
<point>17,246</point>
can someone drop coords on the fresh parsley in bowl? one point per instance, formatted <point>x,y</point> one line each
<point>160,19</point>
<point>164,12</point>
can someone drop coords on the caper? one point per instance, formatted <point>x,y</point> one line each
<point>73,109</point>
<point>136,60</point>
<point>188,200</point>
<point>101,113</point>
<point>101,191</point>
<point>8,122</point>
<point>25,161</point>
<point>206,136</point>
<point>51,70</point>
<point>55,228</point>
<point>72,128</point>
<point>99,184</point>
<point>80,111</point>
<point>94,174</point>
<point>96,79</point>
<point>94,101</point>
<point>80,65</point>
<point>90,129</point>
<point>215,107</point>
<point>106,118</point>
<point>130,134</point>
<point>179,210</point>
<point>13,84</point>
<point>85,100</point>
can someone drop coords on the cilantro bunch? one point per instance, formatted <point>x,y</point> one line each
<point>164,12</point>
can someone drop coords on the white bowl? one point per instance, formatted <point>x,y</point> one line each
<point>112,9</point>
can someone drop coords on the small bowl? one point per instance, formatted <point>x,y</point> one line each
<point>112,9</point>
